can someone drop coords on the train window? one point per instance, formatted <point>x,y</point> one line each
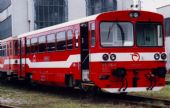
<point>16,45</point>
<point>42,44</point>
<point>4,50</point>
<point>51,42</point>
<point>93,37</point>
<point>61,41</point>
<point>115,34</point>
<point>0,50</point>
<point>34,46</point>
<point>77,37</point>
<point>69,39</point>
<point>7,50</point>
<point>10,46</point>
<point>28,46</point>
<point>149,34</point>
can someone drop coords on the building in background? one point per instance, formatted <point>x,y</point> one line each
<point>20,16</point>
<point>164,10</point>
<point>5,19</point>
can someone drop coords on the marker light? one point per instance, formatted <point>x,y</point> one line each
<point>163,56</point>
<point>113,57</point>
<point>156,56</point>
<point>105,57</point>
<point>134,14</point>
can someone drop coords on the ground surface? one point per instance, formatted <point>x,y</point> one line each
<point>23,96</point>
<point>49,97</point>
<point>168,77</point>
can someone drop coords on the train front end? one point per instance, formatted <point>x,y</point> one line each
<point>129,55</point>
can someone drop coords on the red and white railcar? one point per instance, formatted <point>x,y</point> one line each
<point>120,51</point>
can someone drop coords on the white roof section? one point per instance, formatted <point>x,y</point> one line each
<point>86,19</point>
<point>7,39</point>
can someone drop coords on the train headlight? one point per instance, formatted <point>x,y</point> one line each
<point>105,57</point>
<point>134,14</point>
<point>163,56</point>
<point>157,56</point>
<point>113,57</point>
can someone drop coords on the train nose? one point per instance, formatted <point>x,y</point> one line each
<point>120,72</point>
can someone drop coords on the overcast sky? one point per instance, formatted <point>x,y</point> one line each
<point>151,5</point>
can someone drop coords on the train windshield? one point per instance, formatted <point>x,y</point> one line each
<point>115,34</point>
<point>149,34</point>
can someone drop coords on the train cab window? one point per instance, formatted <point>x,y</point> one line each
<point>116,34</point>
<point>77,38</point>
<point>61,41</point>
<point>28,46</point>
<point>34,45</point>
<point>149,34</point>
<point>70,39</point>
<point>42,44</point>
<point>51,42</point>
<point>93,37</point>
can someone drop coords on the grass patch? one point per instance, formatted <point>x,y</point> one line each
<point>25,97</point>
<point>163,94</point>
<point>22,97</point>
<point>167,77</point>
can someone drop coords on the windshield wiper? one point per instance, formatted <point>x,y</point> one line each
<point>121,30</point>
<point>122,33</point>
<point>110,28</point>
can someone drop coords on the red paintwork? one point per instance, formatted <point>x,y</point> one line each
<point>57,75</point>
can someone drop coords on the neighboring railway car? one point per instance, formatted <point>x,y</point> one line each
<point>120,51</point>
<point>167,41</point>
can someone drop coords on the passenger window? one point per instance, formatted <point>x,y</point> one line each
<point>76,37</point>
<point>10,48</point>
<point>34,46</point>
<point>28,46</point>
<point>4,50</point>
<point>70,39</point>
<point>51,42</point>
<point>16,45</point>
<point>61,41</point>
<point>7,50</point>
<point>0,50</point>
<point>93,39</point>
<point>42,44</point>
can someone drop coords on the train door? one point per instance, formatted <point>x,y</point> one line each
<point>22,59</point>
<point>84,51</point>
<point>8,56</point>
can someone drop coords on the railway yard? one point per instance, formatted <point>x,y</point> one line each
<point>20,95</point>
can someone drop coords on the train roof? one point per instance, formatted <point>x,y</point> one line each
<point>7,39</point>
<point>77,21</point>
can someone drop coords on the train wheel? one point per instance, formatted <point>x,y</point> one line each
<point>3,77</point>
<point>69,80</point>
<point>124,93</point>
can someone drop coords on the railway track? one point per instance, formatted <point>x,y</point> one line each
<point>146,101</point>
<point>101,97</point>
